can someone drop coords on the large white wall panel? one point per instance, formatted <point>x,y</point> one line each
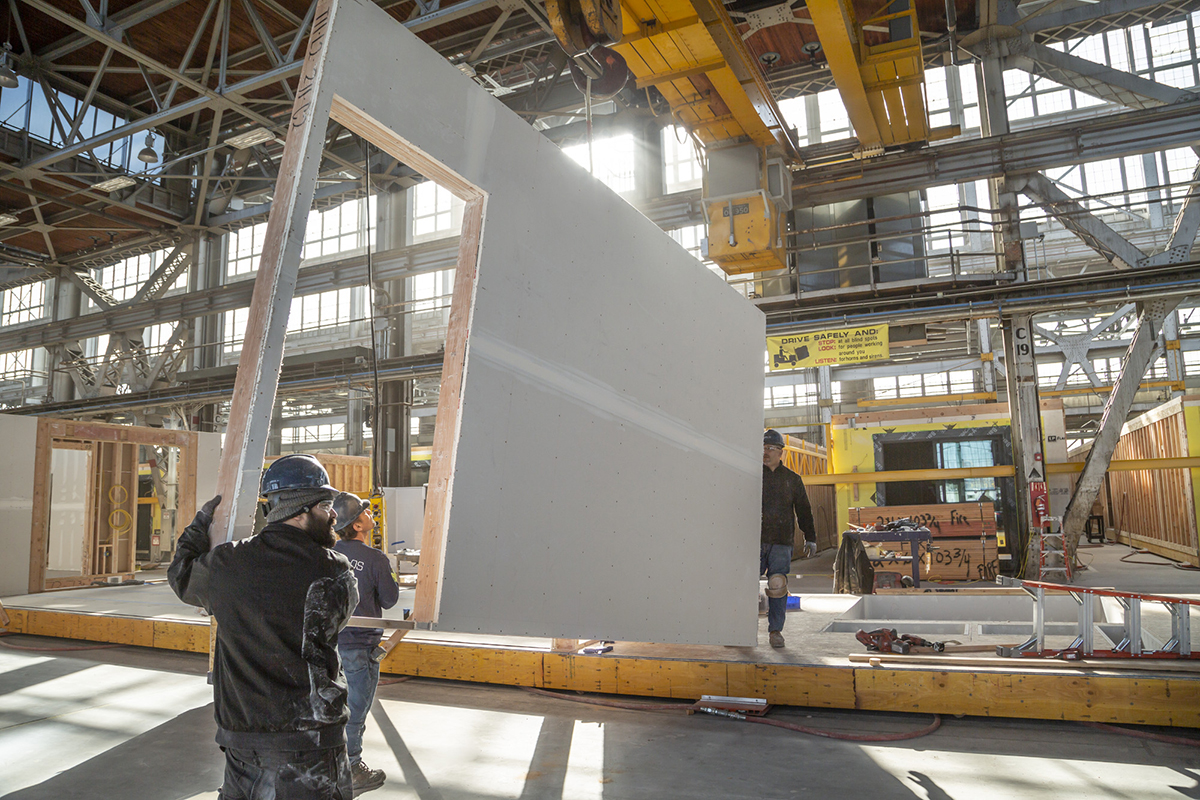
<point>607,478</point>
<point>19,435</point>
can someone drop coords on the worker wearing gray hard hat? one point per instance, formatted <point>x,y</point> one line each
<point>783,496</point>
<point>280,598</point>
<point>359,647</point>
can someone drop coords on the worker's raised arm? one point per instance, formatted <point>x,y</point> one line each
<point>189,571</point>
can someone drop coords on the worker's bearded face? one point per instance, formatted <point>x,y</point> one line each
<point>320,526</point>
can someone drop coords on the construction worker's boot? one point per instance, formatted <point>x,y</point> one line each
<point>365,778</point>
<point>776,638</point>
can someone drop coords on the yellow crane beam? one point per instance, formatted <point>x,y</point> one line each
<point>669,43</point>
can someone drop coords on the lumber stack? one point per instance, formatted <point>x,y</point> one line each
<point>964,539</point>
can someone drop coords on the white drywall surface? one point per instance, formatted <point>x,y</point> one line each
<point>405,509</point>
<point>608,470</point>
<point>208,458</point>
<point>19,435</point>
<point>68,509</point>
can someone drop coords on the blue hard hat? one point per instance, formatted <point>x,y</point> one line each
<point>297,471</point>
<point>349,507</point>
<point>773,438</point>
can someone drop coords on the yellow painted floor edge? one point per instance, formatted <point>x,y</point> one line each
<point>1131,698</point>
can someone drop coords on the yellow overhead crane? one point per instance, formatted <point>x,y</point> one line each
<point>882,85</point>
<point>692,53</point>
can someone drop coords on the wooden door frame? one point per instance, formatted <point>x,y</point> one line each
<point>88,435</point>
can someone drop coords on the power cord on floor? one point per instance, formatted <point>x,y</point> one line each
<point>689,708</point>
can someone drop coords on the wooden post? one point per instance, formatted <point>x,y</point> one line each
<point>262,353</point>
<point>41,508</point>
<point>445,433</point>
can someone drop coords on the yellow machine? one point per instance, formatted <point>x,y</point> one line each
<point>747,195</point>
<point>379,514</point>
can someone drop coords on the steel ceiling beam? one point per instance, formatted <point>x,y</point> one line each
<point>1026,151</point>
<point>33,167</point>
<point>1077,219</point>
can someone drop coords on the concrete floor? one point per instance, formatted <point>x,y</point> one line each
<point>128,722</point>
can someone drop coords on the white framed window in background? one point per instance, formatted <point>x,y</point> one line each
<point>434,213</point>
<point>243,249</point>
<point>309,434</point>
<point>340,229</point>
<point>431,291</point>
<point>681,162</point>
<point>123,279</point>
<point>23,304</point>
<point>612,160</point>
<point>795,114</point>
<point>319,311</point>
<point>20,365</point>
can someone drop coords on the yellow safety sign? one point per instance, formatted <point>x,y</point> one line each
<point>825,348</point>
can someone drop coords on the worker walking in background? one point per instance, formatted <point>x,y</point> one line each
<point>280,598</point>
<point>783,495</point>
<point>359,647</point>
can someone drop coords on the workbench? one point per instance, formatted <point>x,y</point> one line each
<point>913,536</point>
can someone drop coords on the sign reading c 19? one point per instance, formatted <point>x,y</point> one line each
<point>826,348</point>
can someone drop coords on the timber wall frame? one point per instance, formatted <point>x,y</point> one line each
<point>97,436</point>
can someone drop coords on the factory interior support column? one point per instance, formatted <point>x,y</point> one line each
<point>207,272</point>
<point>1026,428</point>
<point>68,301</point>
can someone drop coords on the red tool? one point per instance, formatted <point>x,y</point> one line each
<point>886,640</point>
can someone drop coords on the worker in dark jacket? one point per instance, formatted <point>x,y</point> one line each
<point>280,598</point>
<point>783,496</point>
<point>359,647</point>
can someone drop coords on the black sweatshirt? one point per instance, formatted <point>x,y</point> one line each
<point>782,495</point>
<point>377,590</point>
<point>280,599</point>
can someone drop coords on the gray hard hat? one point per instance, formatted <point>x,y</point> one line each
<point>349,507</point>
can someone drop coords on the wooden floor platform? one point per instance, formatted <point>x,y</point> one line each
<point>811,671</point>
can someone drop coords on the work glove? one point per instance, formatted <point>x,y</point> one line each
<point>810,548</point>
<point>195,535</point>
<point>205,515</point>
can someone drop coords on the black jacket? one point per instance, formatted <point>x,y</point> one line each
<point>377,590</point>
<point>783,494</point>
<point>280,599</point>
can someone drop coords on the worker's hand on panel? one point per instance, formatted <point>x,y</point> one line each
<point>206,510</point>
<point>810,549</point>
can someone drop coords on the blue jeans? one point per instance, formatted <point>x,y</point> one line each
<point>772,559</point>
<point>362,677</point>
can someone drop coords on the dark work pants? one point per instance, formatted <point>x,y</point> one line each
<point>287,775</point>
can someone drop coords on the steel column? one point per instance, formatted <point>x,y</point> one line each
<point>1116,410</point>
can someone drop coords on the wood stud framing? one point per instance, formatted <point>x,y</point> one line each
<point>110,530</point>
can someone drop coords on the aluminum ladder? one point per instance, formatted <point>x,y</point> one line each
<point>1130,646</point>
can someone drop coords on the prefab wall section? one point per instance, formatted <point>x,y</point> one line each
<point>597,452</point>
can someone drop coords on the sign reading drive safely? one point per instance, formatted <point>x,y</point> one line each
<point>824,348</point>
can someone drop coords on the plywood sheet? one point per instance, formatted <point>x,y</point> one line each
<point>19,435</point>
<point>606,478</point>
